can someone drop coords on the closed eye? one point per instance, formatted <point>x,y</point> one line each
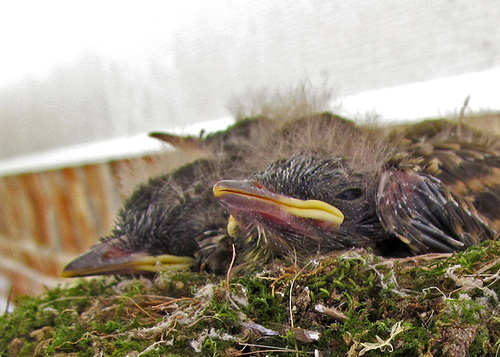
<point>350,194</point>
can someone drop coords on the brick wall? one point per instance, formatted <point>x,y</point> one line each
<point>48,218</point>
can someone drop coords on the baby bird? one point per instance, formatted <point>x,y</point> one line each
<point>308,187</point>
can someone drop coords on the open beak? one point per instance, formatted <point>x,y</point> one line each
<point>108,258</point>
<point>253,198</point>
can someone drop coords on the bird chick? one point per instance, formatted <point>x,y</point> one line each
<point>325,185</point>
<point>158,227</point>
<point>301,206</point>
<point>309,205</point>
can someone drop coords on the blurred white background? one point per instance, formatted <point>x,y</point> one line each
<point>76,73</point>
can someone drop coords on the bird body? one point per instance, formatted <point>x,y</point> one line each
<point>306,187</point>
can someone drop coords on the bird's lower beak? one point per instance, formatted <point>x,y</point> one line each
<point>252,197</point>
<point>108,258</point>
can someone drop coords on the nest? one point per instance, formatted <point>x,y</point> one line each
<point>349,304</point>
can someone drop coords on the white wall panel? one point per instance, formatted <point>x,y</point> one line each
<point>221,49</point>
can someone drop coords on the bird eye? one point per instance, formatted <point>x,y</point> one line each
<point>350,194</point>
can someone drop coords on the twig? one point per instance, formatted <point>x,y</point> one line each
<point>290,300</point>
<point>150,348</point>
<point>7,304</point>
<point>165,304</point>
<point>269,349</point>
<point>290,307</point>
<point>136,304</point>
<point>462,114</point>
<point>462,110</point>
<point>173,326</point>
<point>64,299</point>
<point>488,266</point>
<point>228,286</point>
<point>334,313</point>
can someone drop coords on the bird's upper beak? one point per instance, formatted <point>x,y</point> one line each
<point>109,258</point>
<point>252,197</point>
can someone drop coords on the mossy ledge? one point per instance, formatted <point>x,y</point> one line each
<point>349,304</point>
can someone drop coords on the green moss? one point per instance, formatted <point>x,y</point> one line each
<point>434,302</point>
<point>262,301</point>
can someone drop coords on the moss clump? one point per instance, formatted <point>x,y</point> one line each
<point>348,304</point>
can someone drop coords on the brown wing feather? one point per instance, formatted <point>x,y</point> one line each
<point>179,142</point>
<point>471,171</point>
<point>465,159</point>
<point>421,211</point>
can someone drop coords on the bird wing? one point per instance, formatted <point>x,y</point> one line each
<point>421,211</point>
<point>469,170</point>
<point>242,133</point>
<point>178,141</point>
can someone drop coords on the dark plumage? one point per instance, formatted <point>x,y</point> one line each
<point>308,187</point>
